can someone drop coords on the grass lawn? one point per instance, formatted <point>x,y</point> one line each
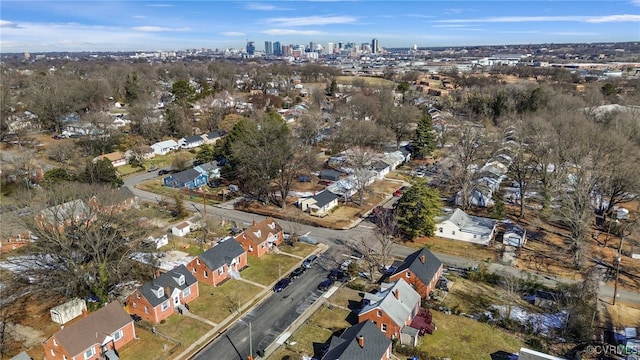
<point>268,268</point>
<point>459,337</point>
<point>331,319</point>
<point>344,295</point>
<point>285,353</point>
<point>147,347</point>
<point>371,81</point>
<point>184,245</point>
<point>455,247</point>
<point>300,249</point>
<point>184,329</point>
<point>473,297</point>
<point>155,186</point>
<point>226,298</point>
<point>128,169</point>
<point>305,337</point>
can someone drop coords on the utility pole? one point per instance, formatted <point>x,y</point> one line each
<point>618,261</point>
<point>250,344</point>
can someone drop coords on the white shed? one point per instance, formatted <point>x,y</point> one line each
<point>181,229</point>
<point>68,311</point>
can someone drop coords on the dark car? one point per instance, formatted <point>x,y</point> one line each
<point>282,284</point>
<point>297,272</point>
<point>163,172</point>
<point>136,317</point>
<point>325,285</point>
<point>336,274</point>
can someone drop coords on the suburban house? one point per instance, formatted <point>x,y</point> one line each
<point>98,335</point>
<point>117,158</point>
<point>380,168</point>
<point>360,341</point>
<point>394,159</point>
<point>190,178</point>
<point>165,147</point>
<point>219,263</point>
<point>261,237</point>
<point>391,308</point>
<point>514,235</point>
<point>210,169</point>
<point>320,204</point>
<point>421,269</point>
<point>212,137</point>
<point>146,152</point>
<point>61,216</point>
<point>181,229</point>
<point>164,296</point>
<point>330,175</point>
<point>460,226</point>
<point>190,142</point>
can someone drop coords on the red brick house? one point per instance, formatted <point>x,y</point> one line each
<point>360,341</point>
<point>261,237</point>
<point>219,263</point>
<point>162,297</point>
<point>392,308</point>
<point>96,336</point>
<point>421,269</point>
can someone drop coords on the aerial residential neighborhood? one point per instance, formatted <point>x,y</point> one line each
<point>334,200</point>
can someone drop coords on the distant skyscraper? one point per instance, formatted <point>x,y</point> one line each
<point>374,46</point>
<point>251,47</point>
<point>330,47</point>
<point>268,48</point>
<point>277,48</point>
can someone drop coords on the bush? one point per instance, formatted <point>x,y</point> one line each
<point>356,286</point>
<point>412,351</point>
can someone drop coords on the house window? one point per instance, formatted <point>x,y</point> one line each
<point>165,306</point>
<point>53,353</point>
<point>453,232</point>
<point>186,292</point>
<point>440,229</point>
<point>383,328</point>
<point>89,353</point>
<point>55,343</point>
<point>474,236</point>
<point>198,261</point>
<point>146,310</point>
<point>64,357</point>
<point>193,270</point>
<point>117,335</point>
<point>250,247</point>
<point>408,274</point>
<point>134,304</point>
<point>221,270</point>
<point>206,274</point>
<point>181,280</point>
<point>379,313</point>
<point>138,296</point>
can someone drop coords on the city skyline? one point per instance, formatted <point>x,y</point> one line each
<point>39,26</point>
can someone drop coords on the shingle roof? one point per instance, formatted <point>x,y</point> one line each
<point>262,231</point>
<point>165,144</point>
<point>472,224</point>
<point>398,309</point>
<point>324,197</point>
<point>193,139</point>
<point>214,135</point>
<point>183,177</point>
<point>70,210</point>
<point>424,271</point>
<point>346,346</point>
<point>222,253</point>
<point>379,165</point>
<point>91,330</point>
<point>168,279</point>
<point>328,174</point>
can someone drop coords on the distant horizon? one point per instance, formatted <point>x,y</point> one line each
<point>156,25</point>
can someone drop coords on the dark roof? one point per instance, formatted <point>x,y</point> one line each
<point>324,197</point>
<point>214,134</point>
<point>328,174</point>
<point>424,271</point>
<point>222,253</point>
<point>92,329</point>
<point>193,139</point>
<point>379,165</point>
<point>183,177</point>
<point>346,347</point>
<point>168,279</point>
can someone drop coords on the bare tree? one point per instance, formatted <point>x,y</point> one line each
<point>511,285</point>
<point>50,98</point>
<point>360,160</point>
<point>466,157</point>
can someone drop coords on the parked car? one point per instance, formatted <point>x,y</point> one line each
<point>390,270</point>
<point>325,285</point>
<point>397,193</point>
<point>308,240</point>
<point>345,265</point>
<point>163,172</point>
<point>308,262</point>
<point>282,284</point>
<point>297,272</point>
<point>136,317</point>
<point>335,274</point>
<point>59,137</point>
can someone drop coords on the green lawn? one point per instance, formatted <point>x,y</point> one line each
<point>184,329</point>
<point>147,347</point>
<point>300,249</point>
<point>226,299</point>
<point>331,319</point>
<point>344,295</point>
<point>304,338</point>
<point>458,337</point>
<point>184,245</point>
<point>268,268</point>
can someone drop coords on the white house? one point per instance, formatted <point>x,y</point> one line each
<point>158,242</point>
<point>181,229</point>
<point>514,235</point>
<point>394,159</point>
<point>164,147</point>
<point>460,226</point>
<point>319,204</point>
<point>190,142</point>
<point>380,168</point>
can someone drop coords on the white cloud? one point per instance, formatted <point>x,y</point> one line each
<point>232,33</point>
<point>8,24</point>
<point>292,32</point>
<point>312,20</point>
<point>157,28</point>
<point>514,19</point>
<point>635,2</point>
<point>574,33</point>
<point>519,32</point>
<point>139,17</point>
<point>450,26</point>
<point>263,7</point>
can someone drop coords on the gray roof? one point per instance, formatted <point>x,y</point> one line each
<point>472,224</point>
<point>70,210</point>
<point>424,271</point>
<point>22,356</point>
<point>193,139</point>
<point>183,177</point>
<point>328,174</point>
<point>214,135</point>
<point>379,165</point>
<point>346,347</point>
<point>398,309</point>
<point>168,279</point>
<point>222,253</point>
<point>207,168</point>
<point>324,197</point>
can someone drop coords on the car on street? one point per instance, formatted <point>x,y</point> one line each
<point>390,270</point>
<point>308,262</point>
<point>397,193</point>
<point>325,285</point>
<point>163,172</point>
<point>337,275</point>
<point>282,284</point>
<point>345,265</point>
<point>297,272</point>
<point>308,240</point>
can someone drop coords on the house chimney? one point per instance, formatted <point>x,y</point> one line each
<point>361,341</point>
<point>396,293</point>
<point>84,312</point>
<point>423,258</point>
<point>254,223</point>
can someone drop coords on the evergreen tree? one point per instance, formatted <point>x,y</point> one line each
<point>417,208</point>
<point>131,87</point>
<point>101,171</point>
<point>499,211</point>
<point>424,140</point>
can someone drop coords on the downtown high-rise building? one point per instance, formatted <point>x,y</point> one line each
<point>251,47</point>
<point>277,48</point>
<point>374,46</point>
<point>330,47</point>
<point>268,48</point>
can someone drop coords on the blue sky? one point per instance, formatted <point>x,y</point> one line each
<point>88,25</point>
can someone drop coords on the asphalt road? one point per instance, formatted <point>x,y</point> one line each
<point>270,318</point>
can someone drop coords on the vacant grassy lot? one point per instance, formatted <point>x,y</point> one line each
<point>473,297</point>
<point>226,299</point>
<point>370,81</point>
<point>458,337</point>
<point>345,296</point>
<point>184,329</point>
<point>147,347</point>
<point>300,249</point>
<point>455,247</point>
<point>268,268</point>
